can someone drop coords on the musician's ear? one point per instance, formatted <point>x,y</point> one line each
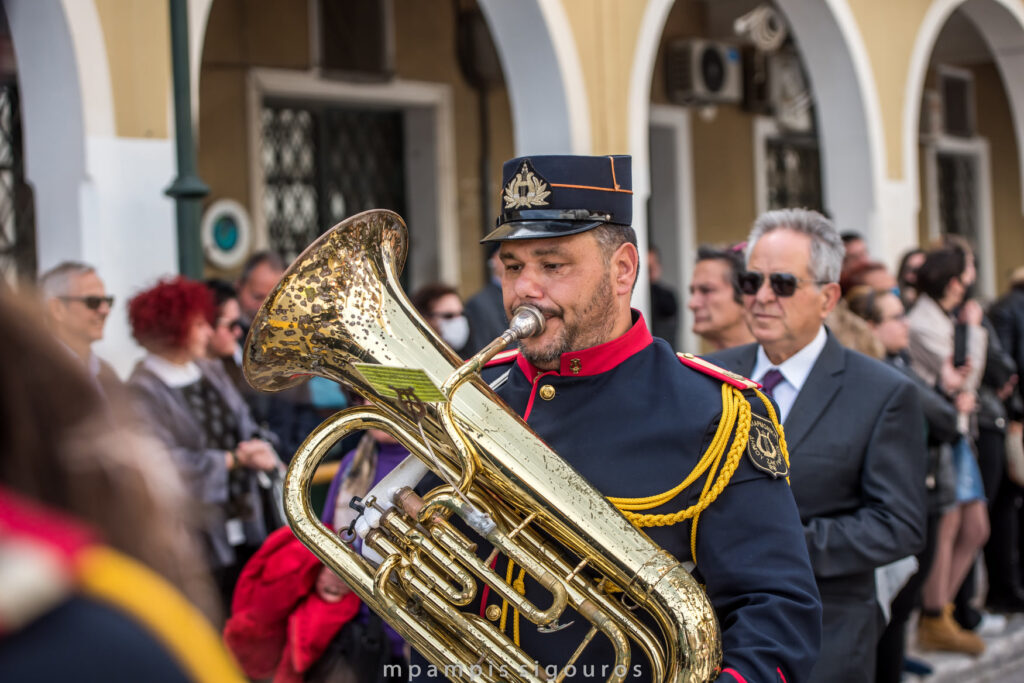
<point>625,265</point>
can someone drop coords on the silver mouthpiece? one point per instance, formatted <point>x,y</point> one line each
<point>527,321</point>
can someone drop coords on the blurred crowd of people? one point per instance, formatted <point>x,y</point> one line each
<point>180,466</point>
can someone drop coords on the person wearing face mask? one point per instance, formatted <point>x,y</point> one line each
<point>441,305</point>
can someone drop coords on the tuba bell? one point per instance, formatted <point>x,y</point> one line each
<point>339,312</point>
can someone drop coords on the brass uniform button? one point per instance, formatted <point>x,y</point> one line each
<point>493,612</point>
<point>547,392</point>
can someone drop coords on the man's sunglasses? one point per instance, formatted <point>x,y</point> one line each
<point>91,302</point>
<point>783,284</point>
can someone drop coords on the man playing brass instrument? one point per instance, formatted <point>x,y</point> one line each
<point>637,420</point>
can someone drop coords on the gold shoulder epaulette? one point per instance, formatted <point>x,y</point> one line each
<point>727,376</point>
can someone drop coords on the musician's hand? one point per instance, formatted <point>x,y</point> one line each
<point>951,379</point>
<point>1007,389</point>
<point>257,454</point>
<point>971,313</point>
<point>965,402</point>
<point>330,587</point>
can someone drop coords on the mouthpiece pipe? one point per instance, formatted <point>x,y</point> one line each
<point>527,321</point>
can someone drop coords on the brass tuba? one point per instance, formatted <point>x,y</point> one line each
<point>338,312</point>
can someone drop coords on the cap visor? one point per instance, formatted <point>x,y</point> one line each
<point>538,230</point>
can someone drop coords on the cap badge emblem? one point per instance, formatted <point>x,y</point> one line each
<point>526,189</point>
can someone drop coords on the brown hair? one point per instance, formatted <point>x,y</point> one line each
<point>62,445</point>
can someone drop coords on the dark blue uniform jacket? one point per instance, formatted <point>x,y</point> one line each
<point>634,420</point>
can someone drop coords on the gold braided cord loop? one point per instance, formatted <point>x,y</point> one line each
<point>714,451</point>
<point>520,586</point>
<point>735,417</point>
<point>735,422</point>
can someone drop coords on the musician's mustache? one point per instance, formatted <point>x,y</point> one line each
<point>546,311</point>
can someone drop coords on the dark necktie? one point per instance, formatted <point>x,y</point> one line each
<point>771,380</point>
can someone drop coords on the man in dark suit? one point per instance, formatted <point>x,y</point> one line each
<point>852,425</point>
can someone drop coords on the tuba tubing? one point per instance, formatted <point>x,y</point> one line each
<point>340,304</point>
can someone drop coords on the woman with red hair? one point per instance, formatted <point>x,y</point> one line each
<point>191,405</point>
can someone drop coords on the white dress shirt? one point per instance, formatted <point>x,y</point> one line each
<point>794,369</point>
<point>173,375</point>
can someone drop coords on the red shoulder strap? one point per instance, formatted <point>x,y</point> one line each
<point>727,376</point>
<point>502,358</point>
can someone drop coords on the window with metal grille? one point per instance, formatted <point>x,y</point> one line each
<point>793,166</point>
<point>17,216</point>
<point>323,163</point>
<point>957,194</point>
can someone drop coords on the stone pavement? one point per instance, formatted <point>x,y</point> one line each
<point>1003,661</point>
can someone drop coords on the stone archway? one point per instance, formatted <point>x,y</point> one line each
<point>545,82</point>
<point>46,44</point>
<point>1001,25</point>
<point>849,116</point>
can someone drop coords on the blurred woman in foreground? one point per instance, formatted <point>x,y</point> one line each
<point>88,511</point>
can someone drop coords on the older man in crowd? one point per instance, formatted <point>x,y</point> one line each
<point>857,456</point>
<point>77,305</point>
<point>290,414</point>
<point>715,298</point>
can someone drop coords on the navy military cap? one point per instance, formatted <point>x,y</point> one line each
<point>555,195</point>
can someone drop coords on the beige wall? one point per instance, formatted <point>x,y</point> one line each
<point>243,34</point>
<point>138,43</point>
<point>606,35</point>
<point>889,30</point>
<point>723,168</point>
<point>425,51</point>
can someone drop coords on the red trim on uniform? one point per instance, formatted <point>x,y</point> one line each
<point>781,675</point>
<point>527,367</point>
<point>735,674</point>
<point>718,373</point>
<point>502,358</point>
<point>533,393</point>
<point>597,359</point>
<point>21,517</point>
<point>486,591</point>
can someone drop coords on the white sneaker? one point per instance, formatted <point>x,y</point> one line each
<point>990,624</point>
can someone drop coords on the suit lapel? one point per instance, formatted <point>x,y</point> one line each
<point>821,386</point>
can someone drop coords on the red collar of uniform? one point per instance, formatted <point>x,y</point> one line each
<point>596,359</point>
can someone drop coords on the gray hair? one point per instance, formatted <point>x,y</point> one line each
<point>826,246</point>
<point>57,280</point>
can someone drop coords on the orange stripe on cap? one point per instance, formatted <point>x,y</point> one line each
<point>727,376</point>
<point>615,182</point>
<point>589,187</point>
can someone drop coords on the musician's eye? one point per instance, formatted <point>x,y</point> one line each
<point>513,267</point>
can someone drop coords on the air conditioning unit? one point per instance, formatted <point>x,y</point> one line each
<point>703,72</point>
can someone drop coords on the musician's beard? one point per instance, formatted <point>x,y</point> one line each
<point>592,325</point>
